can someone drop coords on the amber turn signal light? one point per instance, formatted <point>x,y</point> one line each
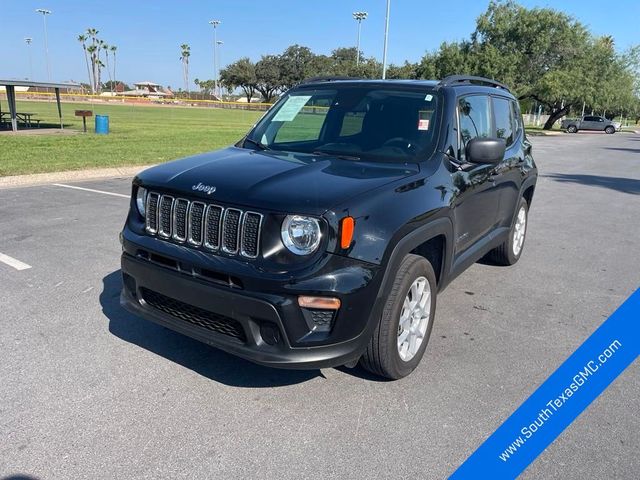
<point>346,235</point>
<point>321,303</point>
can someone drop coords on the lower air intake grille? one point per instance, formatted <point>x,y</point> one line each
<point>194,315</point>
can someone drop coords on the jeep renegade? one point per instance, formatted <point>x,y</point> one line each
<point>323,236</point>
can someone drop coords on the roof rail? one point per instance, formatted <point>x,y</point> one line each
<point>453,79</point>
<point>330,78</point>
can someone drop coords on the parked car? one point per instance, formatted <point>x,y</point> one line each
<point>323,237</point>
<point>589,122</point>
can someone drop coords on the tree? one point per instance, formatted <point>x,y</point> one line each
<point>207,87</point>
<point>268,81</point>
<point>296,64</point>
<point>241,73</point>
<point>113,49</point>
<point>185,53</point>
<point>83,40</point>
<point>105,47</point>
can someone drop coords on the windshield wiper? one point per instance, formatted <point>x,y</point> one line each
<point>260,145</point>
<point>336,155</point>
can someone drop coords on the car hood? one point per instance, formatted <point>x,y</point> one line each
<point>280,181</point>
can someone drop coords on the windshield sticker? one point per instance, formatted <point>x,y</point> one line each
<point>291,108</point>
<point>428,98</point>
<point>423,120</point>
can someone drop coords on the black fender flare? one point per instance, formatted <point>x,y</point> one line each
<point>441,226</point>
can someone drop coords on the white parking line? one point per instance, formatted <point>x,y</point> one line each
<point>12,262</point>
<point>90,190</point>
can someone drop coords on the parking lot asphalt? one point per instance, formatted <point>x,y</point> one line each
<point>90,391</point>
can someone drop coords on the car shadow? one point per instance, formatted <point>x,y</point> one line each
<point>197,356</point>
<point>620,184</point>
<point>623,149</point>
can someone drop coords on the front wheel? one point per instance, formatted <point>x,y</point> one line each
<point>572,129</point>
<point>401,336</point>
<point>610,130</point>
<point>509,252</point>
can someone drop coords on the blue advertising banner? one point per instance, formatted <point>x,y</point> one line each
<point>560,399</point>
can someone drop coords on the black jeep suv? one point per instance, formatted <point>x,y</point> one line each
<point>322,237</point>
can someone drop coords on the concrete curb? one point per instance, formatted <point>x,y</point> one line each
<point>69,176</point>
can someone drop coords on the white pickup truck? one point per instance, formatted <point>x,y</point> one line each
<point>589,122</point>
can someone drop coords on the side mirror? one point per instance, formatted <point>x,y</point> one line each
<point>485,150</point>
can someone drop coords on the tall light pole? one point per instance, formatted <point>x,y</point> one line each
<point>28,41</point>
<point>386,41</point>
<point>359,17</point>
<point>215,24</point>
<point>44,13</point>
<point>219,43</point>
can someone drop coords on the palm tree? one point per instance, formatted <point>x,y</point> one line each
<point>105,47</point>
<point>92,33</point>
<point>113,49</point>
<point>83,40</point>
<point>184,57</point>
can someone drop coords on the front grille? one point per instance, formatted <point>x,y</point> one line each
<point>194,315</point>
<point>212,227</point>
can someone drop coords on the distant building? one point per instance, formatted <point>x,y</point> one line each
<point>148,90</point>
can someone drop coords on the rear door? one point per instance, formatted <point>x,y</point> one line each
<point>508,174</point>
<point>590,123</point>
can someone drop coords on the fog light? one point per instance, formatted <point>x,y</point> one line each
<point>269,333</point>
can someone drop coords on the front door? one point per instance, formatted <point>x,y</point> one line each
<point>476,196</point>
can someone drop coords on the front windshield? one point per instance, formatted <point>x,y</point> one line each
<point>354,122</point>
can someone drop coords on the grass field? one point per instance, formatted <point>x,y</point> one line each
<point>139,135</point>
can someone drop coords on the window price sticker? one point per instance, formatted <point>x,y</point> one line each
<point>424,118</point>
<point>291,108</point>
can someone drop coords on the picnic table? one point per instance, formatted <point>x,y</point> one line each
<point>24,117</point>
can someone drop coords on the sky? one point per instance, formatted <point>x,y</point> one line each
<point>148,34</point>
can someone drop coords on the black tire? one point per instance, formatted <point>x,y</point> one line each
<point>382,357</point>
<point>504,254</point>
<point>610,130</point>
<point>572,129</point>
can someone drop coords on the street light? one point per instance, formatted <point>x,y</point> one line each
<point>386,41</point>
<point>214,24</point>
<point>44,13</point>
<point>219,43</point>
<point>28,41</point>
<point>359,17</point>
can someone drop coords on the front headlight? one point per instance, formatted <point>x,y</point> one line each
<point>141,200</point>
<point>301,234</point>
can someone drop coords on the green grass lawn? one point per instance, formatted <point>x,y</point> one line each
<point>138,135</point>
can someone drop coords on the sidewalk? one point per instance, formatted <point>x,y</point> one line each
<point>69,176</point>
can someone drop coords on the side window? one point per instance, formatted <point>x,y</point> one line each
<point>504,119</point>
<point>474,117</point>
<point>590,119</point>
<point>517,119</point>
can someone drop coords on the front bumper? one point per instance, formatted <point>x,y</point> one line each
<point>270,304</point>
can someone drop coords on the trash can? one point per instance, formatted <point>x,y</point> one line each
<point>102,124</point>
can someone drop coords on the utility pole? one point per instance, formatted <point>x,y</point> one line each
<point>219,43</point>
<point>359,17</point>
<point>28,41</point>
<point>386,41</point>
<point>44,13</point>
<point>214,24</point>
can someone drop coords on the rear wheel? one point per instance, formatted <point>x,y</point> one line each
<point>610,130</point>
<point>572,129</point>
<point>401,336</point>
<point>509,252</point>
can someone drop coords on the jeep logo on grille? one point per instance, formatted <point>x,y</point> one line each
<point>204,188</point>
